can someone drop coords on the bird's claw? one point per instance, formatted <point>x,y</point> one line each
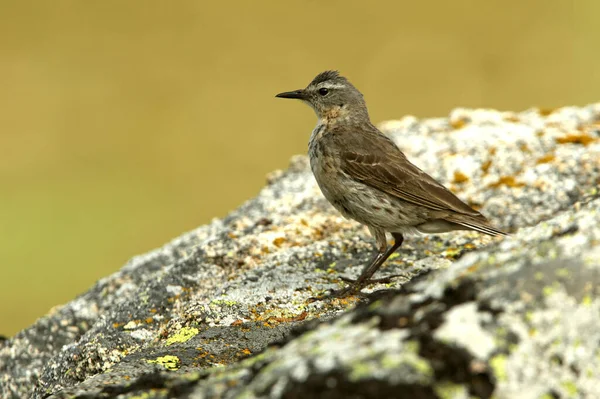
<point>349,290</point>
<point>383,280</point>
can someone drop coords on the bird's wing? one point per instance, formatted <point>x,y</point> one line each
<point>373,159</point>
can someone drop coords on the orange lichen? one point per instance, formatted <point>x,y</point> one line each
<point>460,177</point>
<point>486,166</point>
<point>238,322</point>
<point>546,158</point>
<point>318,234</point>
<point>576,138</point>
<point>512,118</point>
<point>350,300</point>
<point>492,150</point>
<point>523,147</point>
<point>278,241</point>
<point>459,123</point>
<point>546,111</point>
<point>473,268</point>
<point>276,319</point>
<point>203,353</point>
<point>149,320</point>
<point>452,253</point>
<point>508,181</point>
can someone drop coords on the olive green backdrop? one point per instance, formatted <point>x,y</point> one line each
<point>125,123</point>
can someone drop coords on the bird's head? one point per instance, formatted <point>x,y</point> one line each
<point>332,97</point>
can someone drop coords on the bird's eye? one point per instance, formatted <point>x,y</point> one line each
<point>323,91</point>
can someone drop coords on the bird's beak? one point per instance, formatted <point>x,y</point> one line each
<point>299,94</point>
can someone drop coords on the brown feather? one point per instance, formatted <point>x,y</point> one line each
<point>373,159</point>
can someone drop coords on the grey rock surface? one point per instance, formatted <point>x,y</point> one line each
<point>224,310</point>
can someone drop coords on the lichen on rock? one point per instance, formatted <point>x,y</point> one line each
<point>224,310</point>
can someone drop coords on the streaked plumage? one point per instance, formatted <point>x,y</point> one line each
<point>367,178</point>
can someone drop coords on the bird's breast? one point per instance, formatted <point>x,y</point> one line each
<point>316,135</point>
<point>325,164</point>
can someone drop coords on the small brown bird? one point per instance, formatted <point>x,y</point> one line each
<point>366,177</point>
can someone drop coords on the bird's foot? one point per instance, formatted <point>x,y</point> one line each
<point>351,289</point>
<point>354,287</point>
<point>383,280</point>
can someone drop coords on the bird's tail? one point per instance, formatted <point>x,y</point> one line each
<point>480,224</point>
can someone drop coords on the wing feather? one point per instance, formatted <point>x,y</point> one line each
<point>387,169</point>
<point>373,159</point>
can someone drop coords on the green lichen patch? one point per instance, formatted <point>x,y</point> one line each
<point>169,362</point>
<point>448,390</point>
<point>570,388</point>
<point>183,335</point>
<point>393,256</point>
<point>498,365</point>
<point>409,363</point>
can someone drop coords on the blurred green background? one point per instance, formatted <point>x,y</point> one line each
<point>125,123</point>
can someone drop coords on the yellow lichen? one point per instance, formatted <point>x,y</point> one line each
<point>570,387</point>
<point>539,276</point>
<point>576,138</point>
<point>548,290</point>
<point>449,390</point>
<point>452,253</point>
<point>546,111</point>
<point>183,335</point>
<point>546,158</point>
<point>498,364</point>
<point>524,147</point>
<point>460,177</point>
<point>459,123</point>
<point>508,181</point>
<point>169,362</point>
<point>278,241</point>
<point>486,166</point>
<point>563,272</point>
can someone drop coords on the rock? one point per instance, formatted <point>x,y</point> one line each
<point>224,310</point>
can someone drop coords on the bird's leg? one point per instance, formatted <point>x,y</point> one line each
<point>383,254</point>
<point>364,279</point>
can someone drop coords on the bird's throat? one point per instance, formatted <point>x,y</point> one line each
<point>334,115</point>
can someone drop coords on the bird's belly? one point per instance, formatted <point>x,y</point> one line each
<point>365,204</point>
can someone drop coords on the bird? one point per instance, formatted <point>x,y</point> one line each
<point>367,178</point>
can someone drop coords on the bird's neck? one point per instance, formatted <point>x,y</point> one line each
<point>343,114</point>
<point>338,120</point>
